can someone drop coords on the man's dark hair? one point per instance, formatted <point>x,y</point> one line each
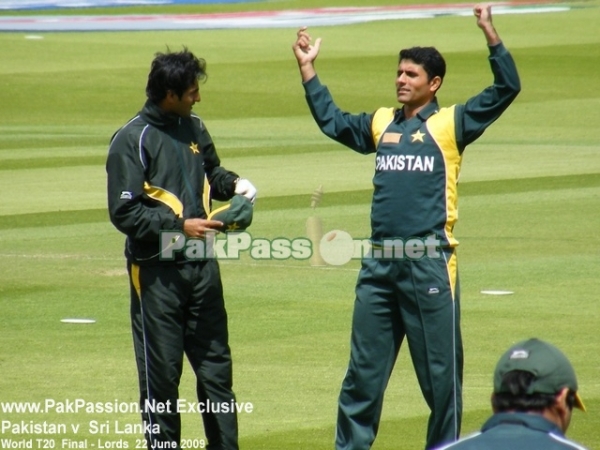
<point>174,71</point>
<point>428,57</point>
<point>514,396</point>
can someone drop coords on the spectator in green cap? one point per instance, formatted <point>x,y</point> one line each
<point>535,391</point>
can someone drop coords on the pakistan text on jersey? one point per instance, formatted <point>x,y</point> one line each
<point>414,163</point>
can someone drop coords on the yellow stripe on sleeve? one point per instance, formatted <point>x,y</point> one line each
<point>166,197</point>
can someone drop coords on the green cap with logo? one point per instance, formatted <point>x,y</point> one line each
<point>553,371</point>
<point>236,215</point>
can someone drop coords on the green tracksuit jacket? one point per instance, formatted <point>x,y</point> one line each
<point>516,431</point>
<point>162,169</point>
<point>418,160</point>
<point>417,164</point>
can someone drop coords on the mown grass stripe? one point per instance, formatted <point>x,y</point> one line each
<point>100,159</point>
<point>495,187</point>
<point>513,186</point>
<point>53,218</point>
<point>42,163</point>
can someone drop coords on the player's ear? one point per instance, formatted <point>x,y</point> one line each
<point>561,409</point>
<point>561,398</point>
<point>435,83</point>
<point>171,96</point>
<point>171,99</point>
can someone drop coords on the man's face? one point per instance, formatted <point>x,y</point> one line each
<point>413,88</point>
<point>183,106</point>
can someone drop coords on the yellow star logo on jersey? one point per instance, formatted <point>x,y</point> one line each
<point>194,148</point>
<point>418,136</point>
<point>234,226</point>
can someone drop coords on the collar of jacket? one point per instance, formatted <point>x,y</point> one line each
<point>428,110</point>
<point>532,421</point>
<point>158,117</point>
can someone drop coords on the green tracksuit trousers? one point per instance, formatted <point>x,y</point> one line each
<point>419,300</point>
<point>179,309</point>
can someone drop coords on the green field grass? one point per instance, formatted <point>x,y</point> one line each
<point>529,214</point>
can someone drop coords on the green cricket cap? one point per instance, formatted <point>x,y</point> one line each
<point>551,368</point>
<point>235,215</point>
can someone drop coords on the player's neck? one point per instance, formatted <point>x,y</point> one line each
<point>411,111</point>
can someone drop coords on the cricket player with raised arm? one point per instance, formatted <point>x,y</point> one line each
<point>418,149</point>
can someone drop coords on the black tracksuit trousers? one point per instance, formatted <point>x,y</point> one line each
<point>178,309</point>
